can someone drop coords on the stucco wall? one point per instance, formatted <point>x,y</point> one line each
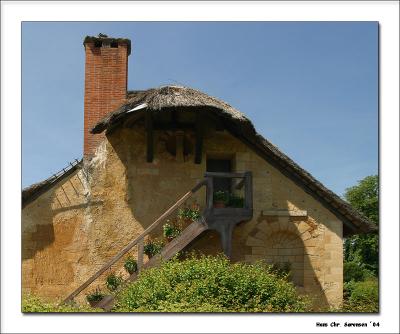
<point>72,229</point>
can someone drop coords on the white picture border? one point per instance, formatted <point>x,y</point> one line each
<point>13,13</point>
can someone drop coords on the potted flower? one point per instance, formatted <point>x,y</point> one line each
<point>152,248</point>
<point>113,282</point>
<point>189,214</point>
<point>95,297</point>
<point>130,265</point>
<point>170,231</point>
<point>220,199</point>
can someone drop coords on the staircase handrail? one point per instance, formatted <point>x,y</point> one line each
<point>128,247</point>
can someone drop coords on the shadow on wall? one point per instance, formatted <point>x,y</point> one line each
<point>151,188</point>
<point>50,221</point>
<point>209,242</point>
<point>37,240</point>
<point>283,242</point>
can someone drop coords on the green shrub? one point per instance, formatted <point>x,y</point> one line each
<point>282,270</point>
<point>130,265</point>
<point>152,248</point>
<point>113,282</point>
<point>354,271</point>
<point>210,284</point>
<point>178,307</point>
<point>32,304</point>
<point>361,296</point>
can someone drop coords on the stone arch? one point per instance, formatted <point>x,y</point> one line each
<point>282,239</point>
<point>284,247</point>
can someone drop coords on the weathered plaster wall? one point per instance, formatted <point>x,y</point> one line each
<point>54,239</point>
<point>65,241</point>
<point>319,234</point>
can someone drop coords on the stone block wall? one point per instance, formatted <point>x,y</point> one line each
<point>125,194</point>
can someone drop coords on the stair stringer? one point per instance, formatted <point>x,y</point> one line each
<point>169,251</point>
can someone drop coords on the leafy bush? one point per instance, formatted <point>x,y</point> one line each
<point>152,248</point>
<point>281,270</point>
<point>32,304</point>
<point>361,296</point>
<point>181,307</point>
<point>210,284</point>
<point>95,296</point>
<point>355,271</point>
<point>113,282</point>
<point>130,265</point>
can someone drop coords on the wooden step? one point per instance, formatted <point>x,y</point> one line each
<point>169,251</point>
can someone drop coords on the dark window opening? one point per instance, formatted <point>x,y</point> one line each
<point>220,166</point>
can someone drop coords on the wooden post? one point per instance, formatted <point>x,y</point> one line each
<point>149,135</point>
<point>209,193</point>
<point>226,238</point>
<point>140,255</point>
<point>179,137</point>
<point>248,191</point>
<point>199,138</point>
<point>174,119</point>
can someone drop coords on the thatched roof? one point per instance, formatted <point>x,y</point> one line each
<point>35,190</point>
<point>160,99</point>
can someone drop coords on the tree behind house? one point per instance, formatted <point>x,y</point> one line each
<point>361,252</point>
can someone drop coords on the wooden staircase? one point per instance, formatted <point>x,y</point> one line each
<point>222,220</point>
<point>171,249</point>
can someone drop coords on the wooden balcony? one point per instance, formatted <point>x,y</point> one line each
<point>225,219</point>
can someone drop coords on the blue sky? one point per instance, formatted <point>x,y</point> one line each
<point>309,87</point>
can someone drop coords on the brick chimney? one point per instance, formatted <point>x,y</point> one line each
<point>106,76</point>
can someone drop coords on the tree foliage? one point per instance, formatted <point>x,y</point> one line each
<point>361,252</point>
<point>364,197</point>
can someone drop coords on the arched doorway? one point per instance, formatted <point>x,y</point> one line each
<point>284,248</point>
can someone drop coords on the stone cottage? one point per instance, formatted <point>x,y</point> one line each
<point>148,153</point>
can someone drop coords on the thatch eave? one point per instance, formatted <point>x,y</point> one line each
<point>159,99</point>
